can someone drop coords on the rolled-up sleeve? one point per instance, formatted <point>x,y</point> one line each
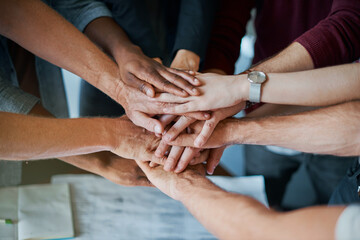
<point>336,39</point>
<point>15,100</point>
<point>80,12</point>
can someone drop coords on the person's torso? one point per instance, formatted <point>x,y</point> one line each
<point>280,22</point>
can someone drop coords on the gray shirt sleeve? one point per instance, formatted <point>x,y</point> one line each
<point>80,12</point>
<point>15,100</point>
<point>348,224</point>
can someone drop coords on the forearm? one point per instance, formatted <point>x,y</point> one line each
<point>320,87</point>
<point>293,58</point>
<point>42,31</point>
<point>108,35</point>
<point>232,216</point>
<point>27,137</point>
<point>333,130</point>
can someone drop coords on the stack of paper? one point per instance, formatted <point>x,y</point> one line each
<point>104,210</point>
<point>38,211</point>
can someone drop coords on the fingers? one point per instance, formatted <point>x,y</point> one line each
<point>143,86</point>
<point>173,158</point>
<point>170,98</point>
<point>187,156</point>
<point>184,139</point>
<point>181,108</point>
<point>180,82</point>
<point>178,127</point>
<point>161,149</point>
<point>166,83</point>
<point>166,119</point>
<point>206,132</point>
<point>204,155</point>
<point>188,76</point>
<point>214,159</point>
<point>199,115</point>
<point>143,120</point>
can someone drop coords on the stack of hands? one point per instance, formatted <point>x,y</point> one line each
<point>177,109</point>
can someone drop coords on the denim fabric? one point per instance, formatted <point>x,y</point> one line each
<point>347,191</point>
<point>324,171</point>
<point>80,12</point>
<point>53,97</point>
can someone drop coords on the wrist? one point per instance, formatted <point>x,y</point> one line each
<point>189,188</point>
<point>241,87</point>
<point>112,132</point>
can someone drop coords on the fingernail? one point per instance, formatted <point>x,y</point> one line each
<point>194,90</point>
<point>166,110</point>
<point>206,115</point>
<point>158,129</point>
<point>149,93</point>
<point>191,72</point>
<point>196,81</point>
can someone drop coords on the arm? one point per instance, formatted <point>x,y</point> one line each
<point>29,137</point>
<point>41,30</point>
<point>333,130</point>
<point>234,215</point>
<point>320,87</point>
<point>136,69</point>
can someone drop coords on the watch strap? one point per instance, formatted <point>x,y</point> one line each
<point>255,92</point>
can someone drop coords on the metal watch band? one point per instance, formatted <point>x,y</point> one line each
<point>255,92</point>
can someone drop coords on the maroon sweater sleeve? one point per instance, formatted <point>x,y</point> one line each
<point>228,29</point>
<point>336,39</point>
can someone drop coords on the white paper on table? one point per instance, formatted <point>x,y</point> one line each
<point>45,212</point>
<point>8,210</point>
<point>104,210</point>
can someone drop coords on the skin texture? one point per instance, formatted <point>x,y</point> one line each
<point>119,170</point>
<point>39,29</point>
<point>320,87</point>
<point>233,215</point>
<point>334,130</point>
<point>56,138</point>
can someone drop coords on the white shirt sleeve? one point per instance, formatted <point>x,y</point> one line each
<point>348,224</point>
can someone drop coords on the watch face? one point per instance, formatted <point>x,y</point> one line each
<point>257,77</point>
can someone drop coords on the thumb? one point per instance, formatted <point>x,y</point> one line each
<point>143,120</point>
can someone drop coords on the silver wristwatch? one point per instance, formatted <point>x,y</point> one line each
<point>256,78</point>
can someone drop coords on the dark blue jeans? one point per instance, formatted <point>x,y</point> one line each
<point>347,191</point>
<point>325,171</point>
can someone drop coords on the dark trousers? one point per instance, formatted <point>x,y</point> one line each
<point>325,171</point>
<point>94,103</point>
<point>348,190</point>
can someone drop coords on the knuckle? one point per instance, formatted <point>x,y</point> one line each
<point>210,124</point>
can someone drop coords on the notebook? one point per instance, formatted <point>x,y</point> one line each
<point>43,212</point>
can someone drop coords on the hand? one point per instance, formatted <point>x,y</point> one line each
<point>179,158</point>
<point>133,142</point>
<point>217,92</point>
<point>114,168</point>
<point>209,125</point>
<point>141,72</point>
<point>141,108</point>
<point>171,183</point>
<point>221,136</point>
<point>186,60</point>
